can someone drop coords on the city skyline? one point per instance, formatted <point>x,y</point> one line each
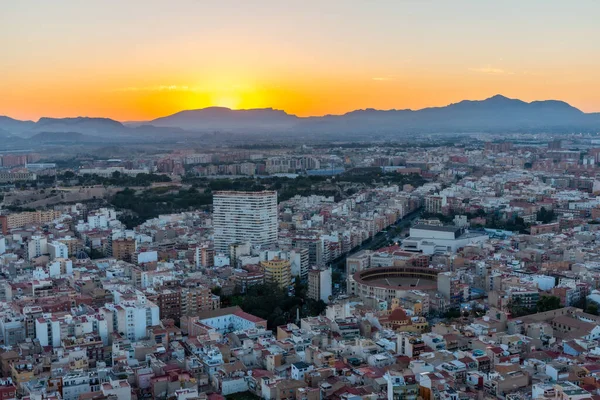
<point>139,61</point>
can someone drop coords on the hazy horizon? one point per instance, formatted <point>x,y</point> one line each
<point>140,60</point>
<point>277,109</point>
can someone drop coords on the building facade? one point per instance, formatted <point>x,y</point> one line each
<point>244,217</point>
<point>319,284</point>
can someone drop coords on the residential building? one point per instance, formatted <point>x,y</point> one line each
<point>244,217</point>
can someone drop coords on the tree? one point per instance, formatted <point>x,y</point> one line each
<point>548,303</point>
<point>452,313</point>
<point>336,276</point>
<point>545,216</point>
<point>592,308</point>
<point>516,308</point>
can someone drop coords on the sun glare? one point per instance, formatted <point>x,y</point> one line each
<point>229,100</point>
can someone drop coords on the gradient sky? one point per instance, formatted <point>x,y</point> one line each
<point>140,59</point>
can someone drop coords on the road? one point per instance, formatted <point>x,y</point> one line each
<point>378,241</point>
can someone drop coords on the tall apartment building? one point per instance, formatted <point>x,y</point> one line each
<point>319,284</point>
<point>131,319</point>
<point>176,302</point>
<point>19,220</point>
<point>434,204</point>
<point>123,249</point>
<point>315,247</point>
<point>236,250</point>
<point>76,383</point>
<point>278,271</point>
<point>198,299</point>
<point>298,258</point>
<point>244,217</point>
<point>73,244</point>
<point>204,256</point>
<point>449,287</point>
<point>58,250</point>
<point>169,304</point>
<point>37,246</point>
<point>12,328</point>
<point>52,329</point>
<point>17,176</point>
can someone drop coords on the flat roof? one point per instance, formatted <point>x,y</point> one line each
<point>445,228</point>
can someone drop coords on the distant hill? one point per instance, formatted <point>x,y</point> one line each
<point>15,126</point>
<point>221,118</point>
<point>63,137</point>
<point>495,114</point>
<point>85,125</point>
<point>80,124</point>
<point>4,133</point>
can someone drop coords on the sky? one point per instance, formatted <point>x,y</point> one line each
<point>141,59</point>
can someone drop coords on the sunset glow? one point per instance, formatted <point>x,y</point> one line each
<point>118,59</point>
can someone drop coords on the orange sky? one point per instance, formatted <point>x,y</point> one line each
<point>138,60</point>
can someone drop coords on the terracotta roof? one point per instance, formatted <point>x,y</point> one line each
<point>398,315</point>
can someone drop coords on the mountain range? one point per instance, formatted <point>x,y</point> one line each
<point>495,114</point>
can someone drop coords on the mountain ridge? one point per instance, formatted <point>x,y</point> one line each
<point>494,114</point>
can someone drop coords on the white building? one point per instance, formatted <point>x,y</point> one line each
<point>185,394</point>
<point>298,258</point>
<point>320,284</point>
<point>79,382</point>
<point>300,369</point>
<point>54,269</point>
<point>231,319</point>
<point>109,171</point>
<point>147,257</point>
<point>51,330</point>
<point>221,260</point>
<point>12,328</point>
<point>103,218</point>
<point>37,246</point>
<point>431,239</point>
<point>244,217</point>
<point>132,318</point>
<point>58,250</point>
<point>121,389</point>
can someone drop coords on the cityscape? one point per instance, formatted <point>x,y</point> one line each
<point>299,239</point>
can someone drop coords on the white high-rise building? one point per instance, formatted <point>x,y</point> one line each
<point>37,246</point>
<point>58,250</point>
<point>131,318</point>
<point>320,284</point>
<point>247,217</point>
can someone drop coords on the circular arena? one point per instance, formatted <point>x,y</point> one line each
<point>386,283</point>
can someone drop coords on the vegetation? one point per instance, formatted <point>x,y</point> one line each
<point>274,304</point>
<point>492,221</point>
<point>153,202</point>
<point>545,216</point>
<point>376,176</point>
<point>138,207</point>
<point>516,225</point>
<point>452,313</point>
<point>592,308</point>
<point>242,396</point>
<point>545,303</point>
<point>117,179</point>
